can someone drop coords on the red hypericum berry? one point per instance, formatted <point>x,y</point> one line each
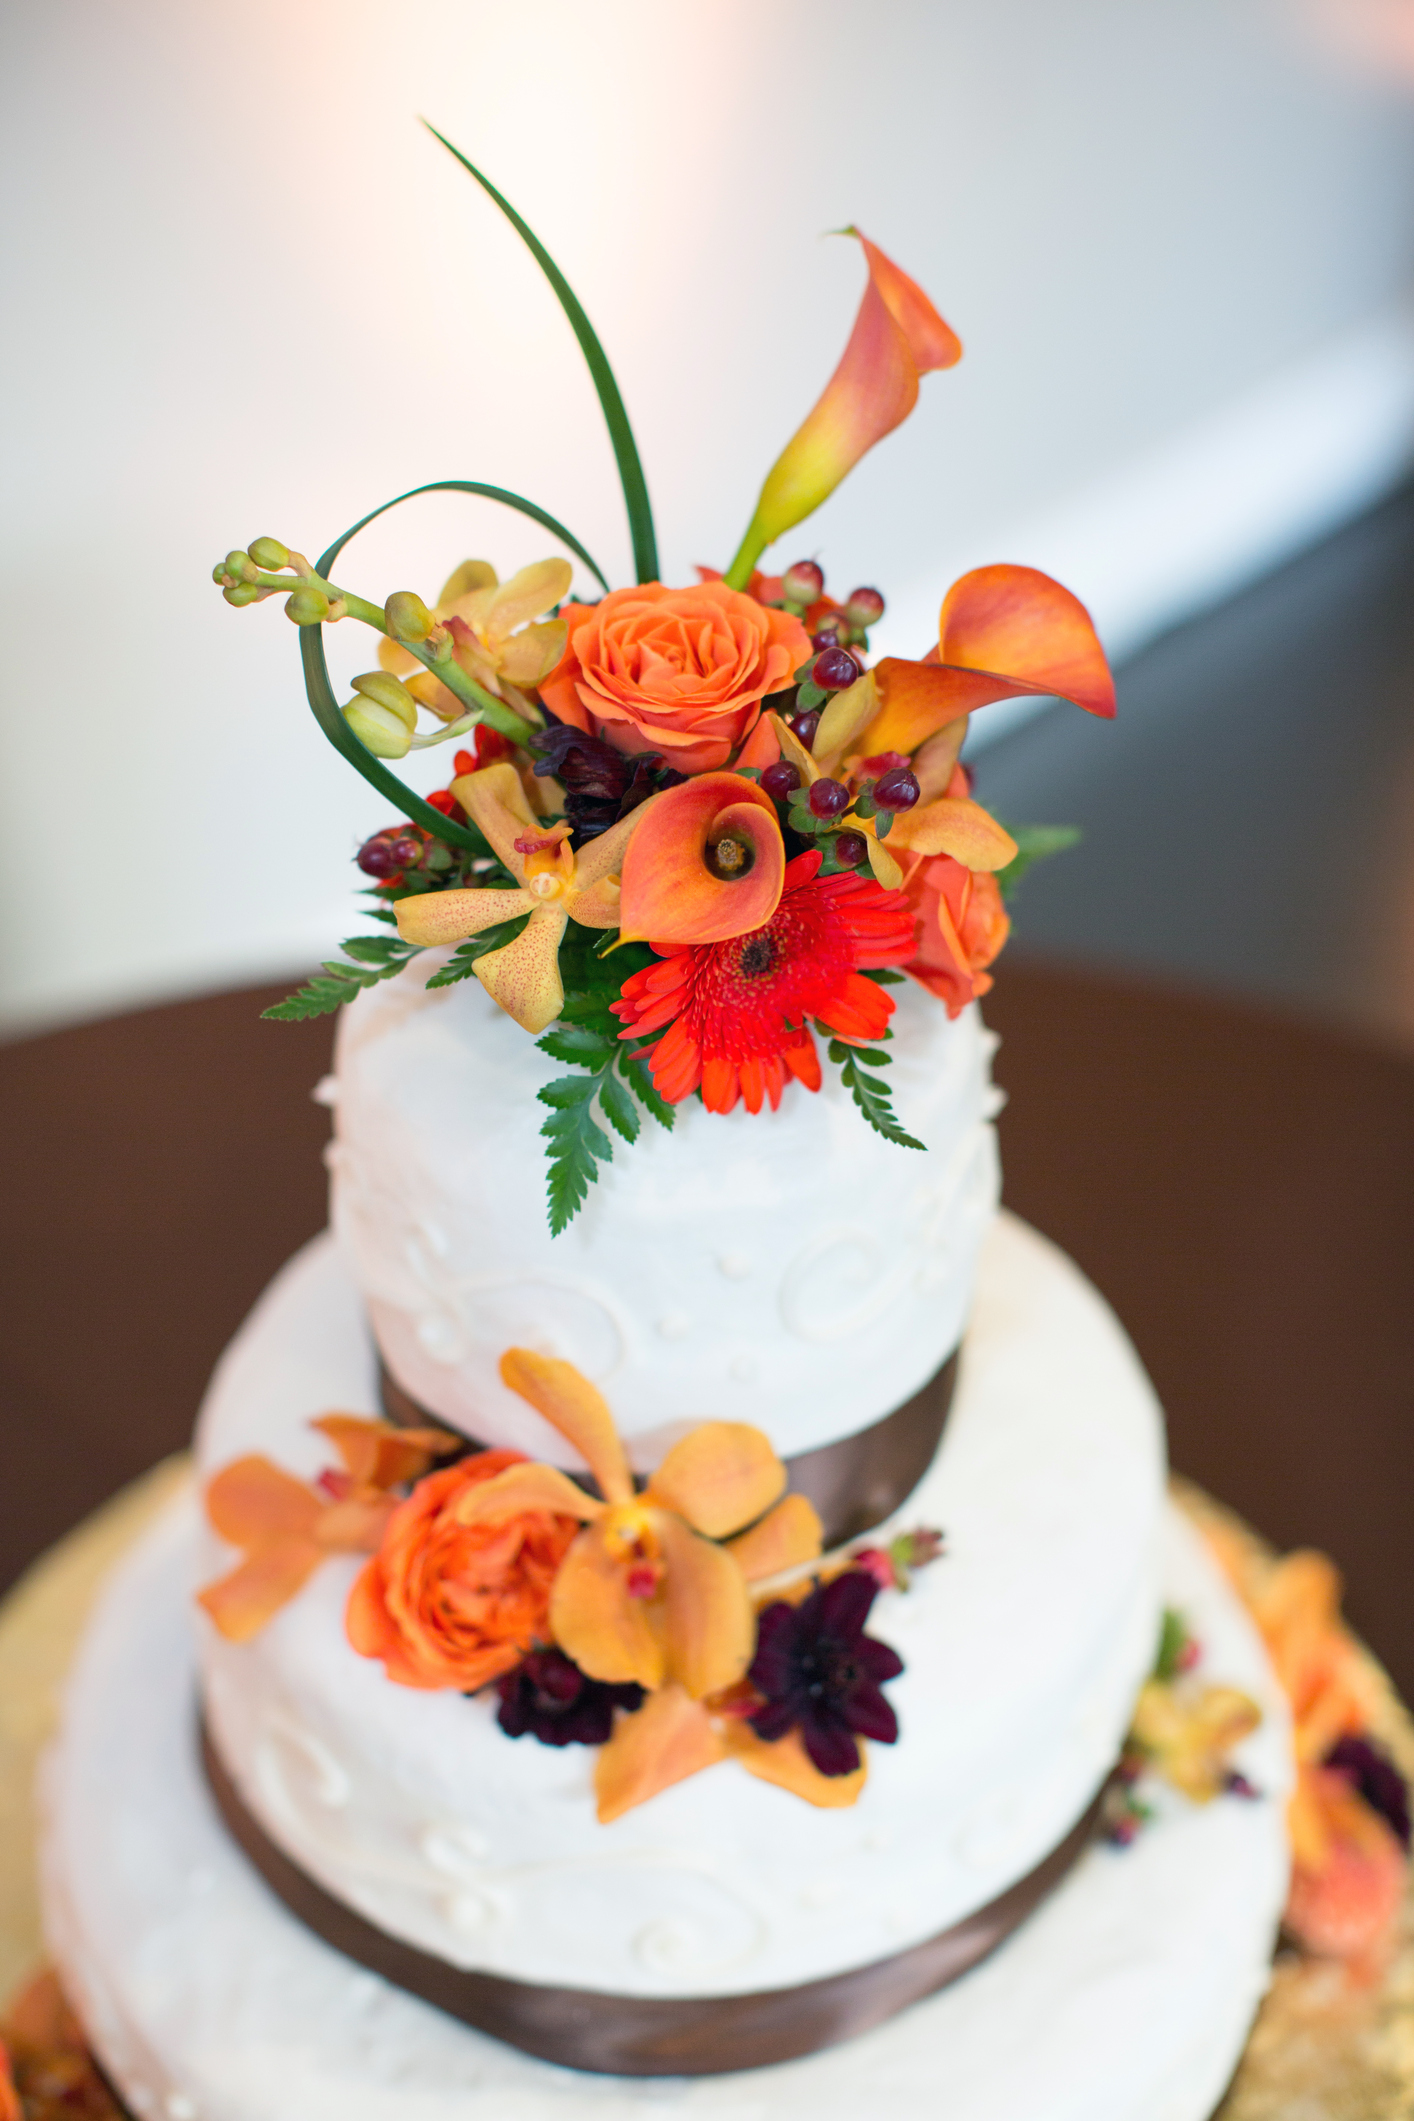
<point>834,669</point>
<point>882,762</point>
<point>826,636</point>
<point>780,780</point>
<point>802,583</point>
<point>897,789</point>
<point>805,725</point>
<point>1237,1785</point>
<point>851,848</point>
<point>375,857</point>
<point>828,798</point>
<point>864,608</point>
<point>405,850</point>
<point>874,1559</point>
<point>1190,1655</point>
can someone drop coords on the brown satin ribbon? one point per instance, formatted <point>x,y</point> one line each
<point>652,2036</point>
<point>854,1483</point>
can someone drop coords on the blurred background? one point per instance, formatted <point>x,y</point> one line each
<point>249,294</point>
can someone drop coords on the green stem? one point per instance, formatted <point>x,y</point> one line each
<point>747,554</point>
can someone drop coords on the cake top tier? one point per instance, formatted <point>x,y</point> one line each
<point>807,1276</point>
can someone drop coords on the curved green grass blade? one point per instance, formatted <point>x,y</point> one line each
<point>640,512</point>
<point>316,668</point>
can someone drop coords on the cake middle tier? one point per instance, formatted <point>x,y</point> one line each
<point>1024,1648</point>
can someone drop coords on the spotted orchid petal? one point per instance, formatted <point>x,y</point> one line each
<point>495,801</point>
<point>786,1538</point>
<point>669,1738</point>
<point>785,1762</point>
<point>721,1476</point>
<point>523,977</point>
<point>670,894</point>
<point>709,1626</point>
<point>898,336</point>
<point>594,1619</point>
<point>433,917</point>
<point>957,826</point>
<point>533,590</point>
<point>566,1399</point>
<point>533,653</point>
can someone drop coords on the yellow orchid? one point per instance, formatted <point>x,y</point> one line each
<point>555,885</point>
<point>1189,1736</point>
<point>495,643</point>
<point>646,1594</point>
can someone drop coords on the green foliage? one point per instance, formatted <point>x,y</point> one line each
<point>370,958</point>
<point>615,1081</point>
<point>463,960</point>
<point>1034,843</point>
<point>869,1093</point>
<point>1173,1643</point>
<point>635,487</point>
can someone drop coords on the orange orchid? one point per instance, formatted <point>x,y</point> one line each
<point>707,865</point>
<point>494,643</point>
<point>646,1594</point>
<point>556,886</point>
<point>898,336</point>
<point>287,1527</point>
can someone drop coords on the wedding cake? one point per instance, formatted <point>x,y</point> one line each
<point>677,1587</point>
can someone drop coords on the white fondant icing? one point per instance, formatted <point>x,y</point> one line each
<point>1127,1997</point>
<point>791,1269</point>
<point>1024,1649</point>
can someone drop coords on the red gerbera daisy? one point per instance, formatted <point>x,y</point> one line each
<point>736,1011</point>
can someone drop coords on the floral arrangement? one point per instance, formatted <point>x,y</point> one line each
<point>672,1626</point>
<point>46,2070</point>
<point>1349,1816</point>
<point>694,831</point>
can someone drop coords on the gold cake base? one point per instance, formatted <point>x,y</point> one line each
<point>1323,2048</point>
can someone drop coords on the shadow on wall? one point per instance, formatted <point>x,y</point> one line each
<point>1249,818</point>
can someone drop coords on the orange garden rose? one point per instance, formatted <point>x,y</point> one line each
<point>678,671</point>
<point>962,925</point>
<point>445,1603</point>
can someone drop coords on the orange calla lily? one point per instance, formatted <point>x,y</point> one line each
<point>556,886</point>
<point>708,863</point>
<point>898,336</point>
<point>1002,632</point>
<point>286,1528</point>
<point>645,1594</point>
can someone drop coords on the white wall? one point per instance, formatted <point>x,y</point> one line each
<point>246,293</point>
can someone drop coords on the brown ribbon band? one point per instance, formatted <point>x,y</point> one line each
<point>854,1483</point>
<point>652,2036</point>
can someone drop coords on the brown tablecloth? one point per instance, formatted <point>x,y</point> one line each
<point>1241,1187</point>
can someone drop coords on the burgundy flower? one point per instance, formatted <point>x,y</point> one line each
<point>1376,1779</point>
<point>821,1674</point>
<point>551,1698</point>
<point>600,784</point>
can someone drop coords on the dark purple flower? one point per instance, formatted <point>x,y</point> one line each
<point>551,1698</point>
<point>821,1674</point>
<point>601,785</point>
<point>1377,1779</point>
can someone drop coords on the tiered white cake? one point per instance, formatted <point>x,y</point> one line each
<point>796,1272</point>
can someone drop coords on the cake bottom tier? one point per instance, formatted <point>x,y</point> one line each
<point>1127,1997</point>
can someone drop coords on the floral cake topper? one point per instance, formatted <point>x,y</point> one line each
<point>693,832</point>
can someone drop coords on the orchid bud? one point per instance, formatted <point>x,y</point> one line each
<point>242,593</point>
<point>237,566</point>
<point>407,616</point>
<point>378,729</point>
<point>269,553</point>
<point>390,692</point>
<point>307,607</point>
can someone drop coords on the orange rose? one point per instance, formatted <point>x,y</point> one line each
<point>678,671</point>
<point>447,1604</point>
